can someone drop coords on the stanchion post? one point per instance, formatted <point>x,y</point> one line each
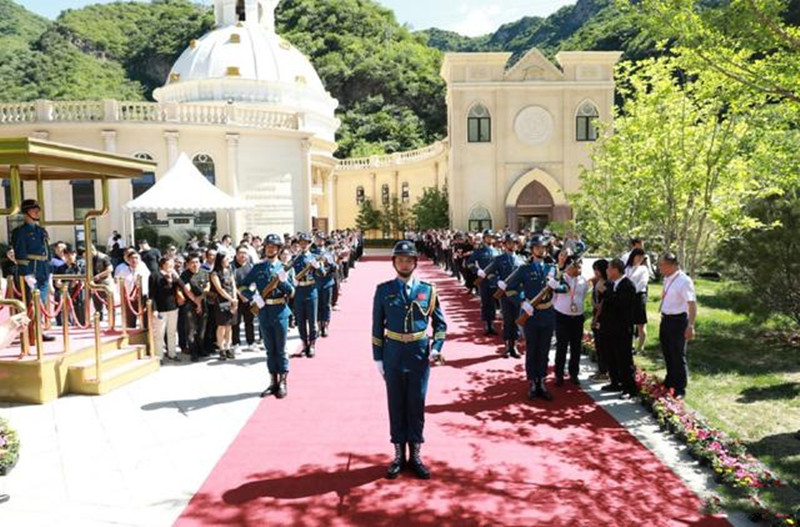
<point>123,302</point>
<point>98,346</point>
<point>37,324</point>
<point>112,316</point>
<point>151,344</point>
<point>140,303</point>
<point>65,317</point>
<point>24,336</point>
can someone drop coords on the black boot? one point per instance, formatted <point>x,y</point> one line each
<point>532,391</point>
<point>324,331</point>
<point>417,465</point>
<point>490,329</point>
<point>399,462</point>
<point>509,347</point>
<point>310,351</point>
<point>273,385</point>
<point>541,390</point>
<point>283,388</point>
<point>514,351</point>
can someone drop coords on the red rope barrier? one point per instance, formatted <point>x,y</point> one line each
<point>73,315</point>
<point>129,302</point>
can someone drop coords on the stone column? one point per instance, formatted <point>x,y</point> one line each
<point>173,150</point>
<point>115,219</point>
<point>234,218</point>
<point>302,202</point>
<point>329,190</point>
<point>375,202</point>
<point>334,200</point>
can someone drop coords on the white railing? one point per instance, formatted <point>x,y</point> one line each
<point>391,160</point>
<point>19,112</point>
<point>77,111</point>
<point>116,111</point>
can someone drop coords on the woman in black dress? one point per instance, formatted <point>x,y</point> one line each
<point>224,302</point>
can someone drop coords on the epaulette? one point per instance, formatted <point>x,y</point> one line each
<point>385,284</point>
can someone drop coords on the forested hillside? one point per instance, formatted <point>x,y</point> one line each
<point>385,76</point>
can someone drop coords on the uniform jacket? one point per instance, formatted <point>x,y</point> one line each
<point>32,252</point>
<point>394,311</point>
<point>261,275</point>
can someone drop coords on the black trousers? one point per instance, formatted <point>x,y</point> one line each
<point>195,329</point>
<point>671,334</point>
<point>602,353</point>
<point>620,359</point>
<point>569,334</point>
<point>243,314</point>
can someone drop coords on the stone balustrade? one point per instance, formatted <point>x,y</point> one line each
<point>145,112</point>
<point>390,160</point>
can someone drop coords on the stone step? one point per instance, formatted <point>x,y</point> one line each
<point>83,370</point>
<point>116,377</point>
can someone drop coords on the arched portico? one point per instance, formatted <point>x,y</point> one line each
<point>534,200</point>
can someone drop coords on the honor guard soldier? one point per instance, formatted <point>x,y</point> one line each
<point>504,266</point>
<point>536,281</point>
<point>273,314</point>
<point>32,252</point>
<point>479,260</point>
<point>403,353</point>
<point>326,280</point>
<point>306,294</point>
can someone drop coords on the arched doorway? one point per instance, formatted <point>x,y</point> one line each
<point>533,209</point>
<point>534,200</point>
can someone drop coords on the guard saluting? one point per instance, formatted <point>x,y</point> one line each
<point>403,353</point>
<point>273,315</point>
<point>30,243</point>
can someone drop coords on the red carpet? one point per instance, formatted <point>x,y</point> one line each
<point>318,457</point>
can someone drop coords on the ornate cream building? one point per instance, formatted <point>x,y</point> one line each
<point>251,112</point>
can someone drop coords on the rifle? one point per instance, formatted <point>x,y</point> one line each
<point>479,280</point>
<point>273,284</point>
<point>544,296</point>
<point>307,269</point>
<point>500,293</point>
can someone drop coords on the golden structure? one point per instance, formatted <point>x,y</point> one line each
<point>106,359</point>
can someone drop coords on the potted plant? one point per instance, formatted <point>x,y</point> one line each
<point>9,447</point>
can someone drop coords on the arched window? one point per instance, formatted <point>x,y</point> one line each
<point>139,186</point>
<point>479,124</point>
<point>240,11</point>
<point>385,194</point>
<point>205,164</point>
<point>586,128</point>
<point>360,195</point>
<point>479,219</point>
<point>406,193</point>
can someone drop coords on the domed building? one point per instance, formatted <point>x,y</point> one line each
<point>244,104</point>
<point>254,117</point>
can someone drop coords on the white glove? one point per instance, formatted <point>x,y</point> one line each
<point>315,264</point>
<point>481,273</point>
<point>527,307</point>
<point>259,300</point>
<point>553,283</point>
<point>436,356</point>
<point>330,259</point>
<point>282,276</point>
<point>379,365</point>
<point>502,285</point>
<point>31,281</point>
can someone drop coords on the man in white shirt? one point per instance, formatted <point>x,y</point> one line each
<point>570,318</point>
<point>678,312</point>
<point>130,271</point>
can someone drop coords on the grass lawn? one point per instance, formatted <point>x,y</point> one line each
<point>743,380</point>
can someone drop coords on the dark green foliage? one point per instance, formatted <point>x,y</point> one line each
<point>431,211</point>
<point>767,260</point>
<point>369,218</point>
<point>18,22</point>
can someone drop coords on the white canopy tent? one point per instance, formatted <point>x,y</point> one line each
<point>183,189</point>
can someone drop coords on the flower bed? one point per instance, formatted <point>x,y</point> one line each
<point>9,447</point>
<point>727,457</point>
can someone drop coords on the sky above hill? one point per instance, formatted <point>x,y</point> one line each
<point>468,17</point>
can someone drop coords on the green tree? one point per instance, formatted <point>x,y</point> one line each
<point>395,217</point>
<point>369,218</point>
<point>675,169</point>
<point>432,209</point>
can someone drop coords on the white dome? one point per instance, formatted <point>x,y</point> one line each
<point>245,62</point>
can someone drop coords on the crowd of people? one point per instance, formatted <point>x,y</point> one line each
<point>204,297</point>
<point>536,282</point>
